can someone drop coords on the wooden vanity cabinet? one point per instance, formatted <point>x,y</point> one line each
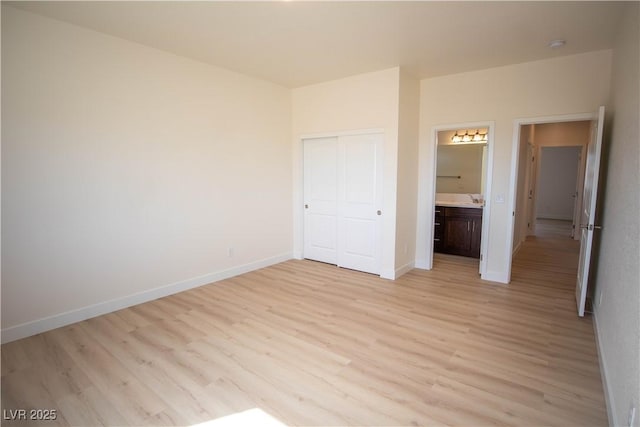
<point>458,231</point>
<point>438,230</point>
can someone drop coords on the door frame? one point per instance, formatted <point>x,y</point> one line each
<point>531,196</point>
<point>486,214</point>
<point>515,156</point>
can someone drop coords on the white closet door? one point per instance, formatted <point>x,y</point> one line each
<point>360,202</point>
<point>320,199</point>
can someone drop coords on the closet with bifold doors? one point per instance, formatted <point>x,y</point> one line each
<point>343,200</point>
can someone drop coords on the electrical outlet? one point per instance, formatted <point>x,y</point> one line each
<point>632,416</point>
<point>230,252</point>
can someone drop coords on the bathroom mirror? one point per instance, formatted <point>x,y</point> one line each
<point>461,166</point>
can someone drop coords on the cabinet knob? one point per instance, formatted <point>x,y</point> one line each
<point>379,213</point>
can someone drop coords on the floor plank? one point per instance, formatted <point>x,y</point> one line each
<point>313,344</point>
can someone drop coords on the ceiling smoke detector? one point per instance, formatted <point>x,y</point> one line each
<point>555,44</point>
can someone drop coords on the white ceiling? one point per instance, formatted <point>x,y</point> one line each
<point>299,43</point>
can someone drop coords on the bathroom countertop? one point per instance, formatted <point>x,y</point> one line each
<point>460,200</point>
<point>458,204</point>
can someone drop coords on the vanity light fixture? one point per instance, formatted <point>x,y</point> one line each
<point>479,137</point>
<point>456,138</point>
<point>467,138</point>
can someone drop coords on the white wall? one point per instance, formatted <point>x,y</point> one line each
<point>557,182</point>
<point>365,101</point>
<point>565,85</point>
<point>126,169</point>
<point>563,134</point>
<point>407,193</point>
<point>618,270</point>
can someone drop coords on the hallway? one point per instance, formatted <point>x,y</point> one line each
<point>550,258</point>
<point>544,275</point>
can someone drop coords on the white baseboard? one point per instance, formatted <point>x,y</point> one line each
<point>608,394</point>
<point>422,264</point>
<point>496,276</point>
<point>517,248</point>
<point>404,269</point>
<point>394,274</point>
<point>554,216</point>
<point>34,327</point>
<point>388,274</point>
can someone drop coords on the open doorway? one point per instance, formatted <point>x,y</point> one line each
<point>551,167</point>
<point>461,194</point>
<point>581,253</point>
<point>558,188</point>
<point>525,136</point>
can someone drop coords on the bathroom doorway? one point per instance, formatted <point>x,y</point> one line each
<point>460,202</point>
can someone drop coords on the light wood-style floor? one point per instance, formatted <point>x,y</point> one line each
<point>312,344</point>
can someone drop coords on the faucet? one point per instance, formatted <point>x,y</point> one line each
<point>474,199</point>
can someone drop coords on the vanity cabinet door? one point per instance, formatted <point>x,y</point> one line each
<point>462,231</point>
<point>438,230</point>
<point>476,235</point>
<point>457,235</point>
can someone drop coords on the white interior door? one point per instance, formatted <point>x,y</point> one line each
<point>360,202</point>
<point>579,193</point>
<point>530,187</point>
<point>587,225</point>
<point>577,209</point>
<point>320,199</point>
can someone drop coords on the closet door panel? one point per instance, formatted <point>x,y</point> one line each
<point>320,199</point>
<point>359,202</point>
